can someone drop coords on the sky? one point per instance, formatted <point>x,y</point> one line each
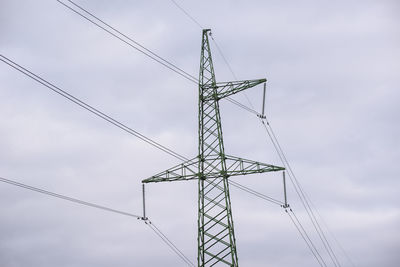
<point>332,100</point>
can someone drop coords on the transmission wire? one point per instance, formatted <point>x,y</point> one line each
<point>190,77</point>
<point>108,25</point>
<point>301,193</point>
<point>96,206</point>
<point>310,245</point>
<point>334,238</point>
<point>142,49</point>
<point>231,100</point>
<point>168,242</point>
<point>316,224</point>
<point>258,115</point>
<point>67,198</point>
<point>115,122</point>
<point>89,107</point>
<point>152,55</point>
<point>255,193</point>
<point>187,14</point>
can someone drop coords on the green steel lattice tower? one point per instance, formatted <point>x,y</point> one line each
<point>212,168</point>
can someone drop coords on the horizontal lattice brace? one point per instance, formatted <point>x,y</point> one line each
<point>230,264</point>
<point>210,129</point>
<point>210,115</point>
<point>209,121</point>
<point>214,202</point>
<point>212,185</point>
<point>206,60</point>
<point>211,145</point>
<point>210,142</point>
<point>207,74</point>
<point>215,242</point>
<point>212,170</point>
<point>207,78</point>
<point>216,238</point>
<point>212,148</point>
<point>206,95</point>
<point>208,133</point>
<point>215,223</point>
<point>208,105</point>
<point>209,154</point>
<point>219,220</point>
<point>219,259</point>
<point>212,161</point>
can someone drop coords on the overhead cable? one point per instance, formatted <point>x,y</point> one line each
<point>193,79</point>
<point>109,119</point>
<point>187,14</point>
<point>89,107</point>
<point>334,237</point>
<point>126,39</point>
<point>301,194</point>
<point>278,149</point>
<point>96,206</point>
<point>67,198</point>
<point>255,193</point>
<point>169,243</point>
<point>307,240</point>
<point>139,47</point>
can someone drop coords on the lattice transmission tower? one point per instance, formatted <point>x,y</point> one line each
<point>212,168</point>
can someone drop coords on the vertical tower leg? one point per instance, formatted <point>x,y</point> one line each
<point>216,238</point>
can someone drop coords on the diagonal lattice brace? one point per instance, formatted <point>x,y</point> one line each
<point>224,89</point>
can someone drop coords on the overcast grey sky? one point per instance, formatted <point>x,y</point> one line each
<point>333,92</point>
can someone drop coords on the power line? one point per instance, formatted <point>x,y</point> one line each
<point>67,198</point>
<point>242,106</point>
<point>129,41</point>
<point>334,238</point>
<point>172,68</point>
<point>255,193</point>
<point>279,150</point>
<point>96,206</point>
<point>89,107</point>
<point>283,159</point>
<point>136,45</point>
<point>113,121</point>
<point>307,240</point>
<point>187,14</point>
<point>169,243</point>
<point>301,194</point>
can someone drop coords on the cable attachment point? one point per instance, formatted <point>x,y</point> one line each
<point>261,116</point>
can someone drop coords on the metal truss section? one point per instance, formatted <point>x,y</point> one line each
<point>189,169</point>
<point>212,168</point>
<point>225,89</point>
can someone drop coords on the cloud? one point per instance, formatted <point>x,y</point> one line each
<point>332,70</point>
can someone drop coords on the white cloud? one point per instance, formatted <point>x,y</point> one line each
<point>332,72</point>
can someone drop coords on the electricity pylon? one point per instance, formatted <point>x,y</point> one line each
<point>212,168</point>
